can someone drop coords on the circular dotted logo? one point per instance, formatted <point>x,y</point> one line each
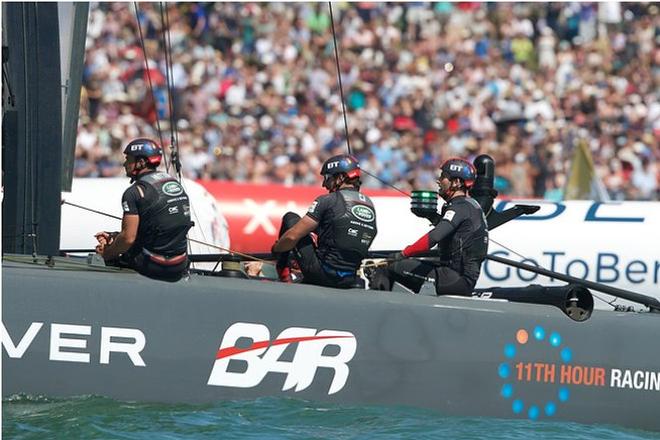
<point>509,371</point>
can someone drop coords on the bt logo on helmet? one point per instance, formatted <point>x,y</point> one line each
<point>454,167</point>
<point>262,356</point>
<point>333,164</point>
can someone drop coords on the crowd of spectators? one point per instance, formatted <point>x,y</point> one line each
<point>256,96</point>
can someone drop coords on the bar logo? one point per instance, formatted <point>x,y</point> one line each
<point>246,365</point>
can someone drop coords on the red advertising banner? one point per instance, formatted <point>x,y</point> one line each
<point>254,212</point>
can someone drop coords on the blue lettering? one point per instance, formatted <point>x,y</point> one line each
<point>507,271</point>
<point>552,260</point>
<point>601,266</point>
<point>559,208</point>
<point>584,265</point>
<point>591,215</point>
<point>631,271</point>
<point>521,271</point>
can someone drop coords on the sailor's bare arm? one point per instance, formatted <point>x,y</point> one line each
<point>124,240</point>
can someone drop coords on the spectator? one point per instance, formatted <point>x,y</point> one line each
<point>256,96</point>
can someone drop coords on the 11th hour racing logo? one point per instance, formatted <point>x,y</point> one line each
<point>262,356</point>
<point>556,373</point>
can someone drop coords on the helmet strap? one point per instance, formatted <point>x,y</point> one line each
<point>452,190</point>
<point>137,168</point>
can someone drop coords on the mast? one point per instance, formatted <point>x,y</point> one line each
<point>33,122</point>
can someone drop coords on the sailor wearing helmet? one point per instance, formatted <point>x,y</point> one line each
<point>344,222</point>
<point>156,218</point>
<point>461,236</point>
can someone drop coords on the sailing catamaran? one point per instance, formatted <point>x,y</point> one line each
<point>72,326</point>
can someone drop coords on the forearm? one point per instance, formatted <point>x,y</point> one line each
<point>285,243</point>
<point>289,239</point>
<point>119,245</point>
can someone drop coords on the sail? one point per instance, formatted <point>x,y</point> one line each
<point>583,183</point>
<point>72,18</point>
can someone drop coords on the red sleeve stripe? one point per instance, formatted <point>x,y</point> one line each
<point>421,245</point>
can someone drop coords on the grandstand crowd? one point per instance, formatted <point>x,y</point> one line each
<point>256,96</point>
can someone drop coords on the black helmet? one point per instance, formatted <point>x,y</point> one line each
<point>143,147</point>
<point>456,168</point>
<point>343,163</point>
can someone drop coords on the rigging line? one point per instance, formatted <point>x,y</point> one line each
<point>169,77</point>
<point>30,184</point>
<point>36,212</point>
<point>490,239</point>
<point>151,87</point>
<point>84,208</point>
<point>341,91</point>
<point>609,303</point>
<point>341,88</point>
<point>11,99</point>
<point>384,182</point>
<point>169,81</point>
<point>529,259</point>
<point>28,162</point>
<point>509,249</point>
<point>240,253</point>
<point>343,105</point>
<point>174,146</point>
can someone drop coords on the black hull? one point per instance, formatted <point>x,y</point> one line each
<point>459,356</point>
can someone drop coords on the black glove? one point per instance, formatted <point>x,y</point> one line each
<point>434,218</point>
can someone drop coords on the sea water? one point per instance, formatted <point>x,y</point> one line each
<point>270,418</point>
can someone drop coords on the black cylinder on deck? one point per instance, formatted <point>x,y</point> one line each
<point>575,301</point>
<point>483,189</point>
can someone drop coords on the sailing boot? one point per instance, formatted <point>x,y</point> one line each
<point>284,274</point>
<point>283,269</point>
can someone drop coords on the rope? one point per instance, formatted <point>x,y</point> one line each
<point>343,105</point>
<point>341,91</point>
<point>169,78</point>
<point>64,202</point>
<point>151,87</point>
<point>341,88</point>
<point>384,182</point>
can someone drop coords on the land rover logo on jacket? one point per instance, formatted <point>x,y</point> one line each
<point>172,189</point>
<point>364,213</point>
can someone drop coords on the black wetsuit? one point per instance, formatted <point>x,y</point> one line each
<point>347,227</point>
<point>462,239</point>
<point>160,249</point>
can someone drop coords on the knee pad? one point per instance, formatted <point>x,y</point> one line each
<point>289,219</point>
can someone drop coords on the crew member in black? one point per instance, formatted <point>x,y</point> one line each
<point>461,235</point>
<point>344,223</point>
<point>156,219</point>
